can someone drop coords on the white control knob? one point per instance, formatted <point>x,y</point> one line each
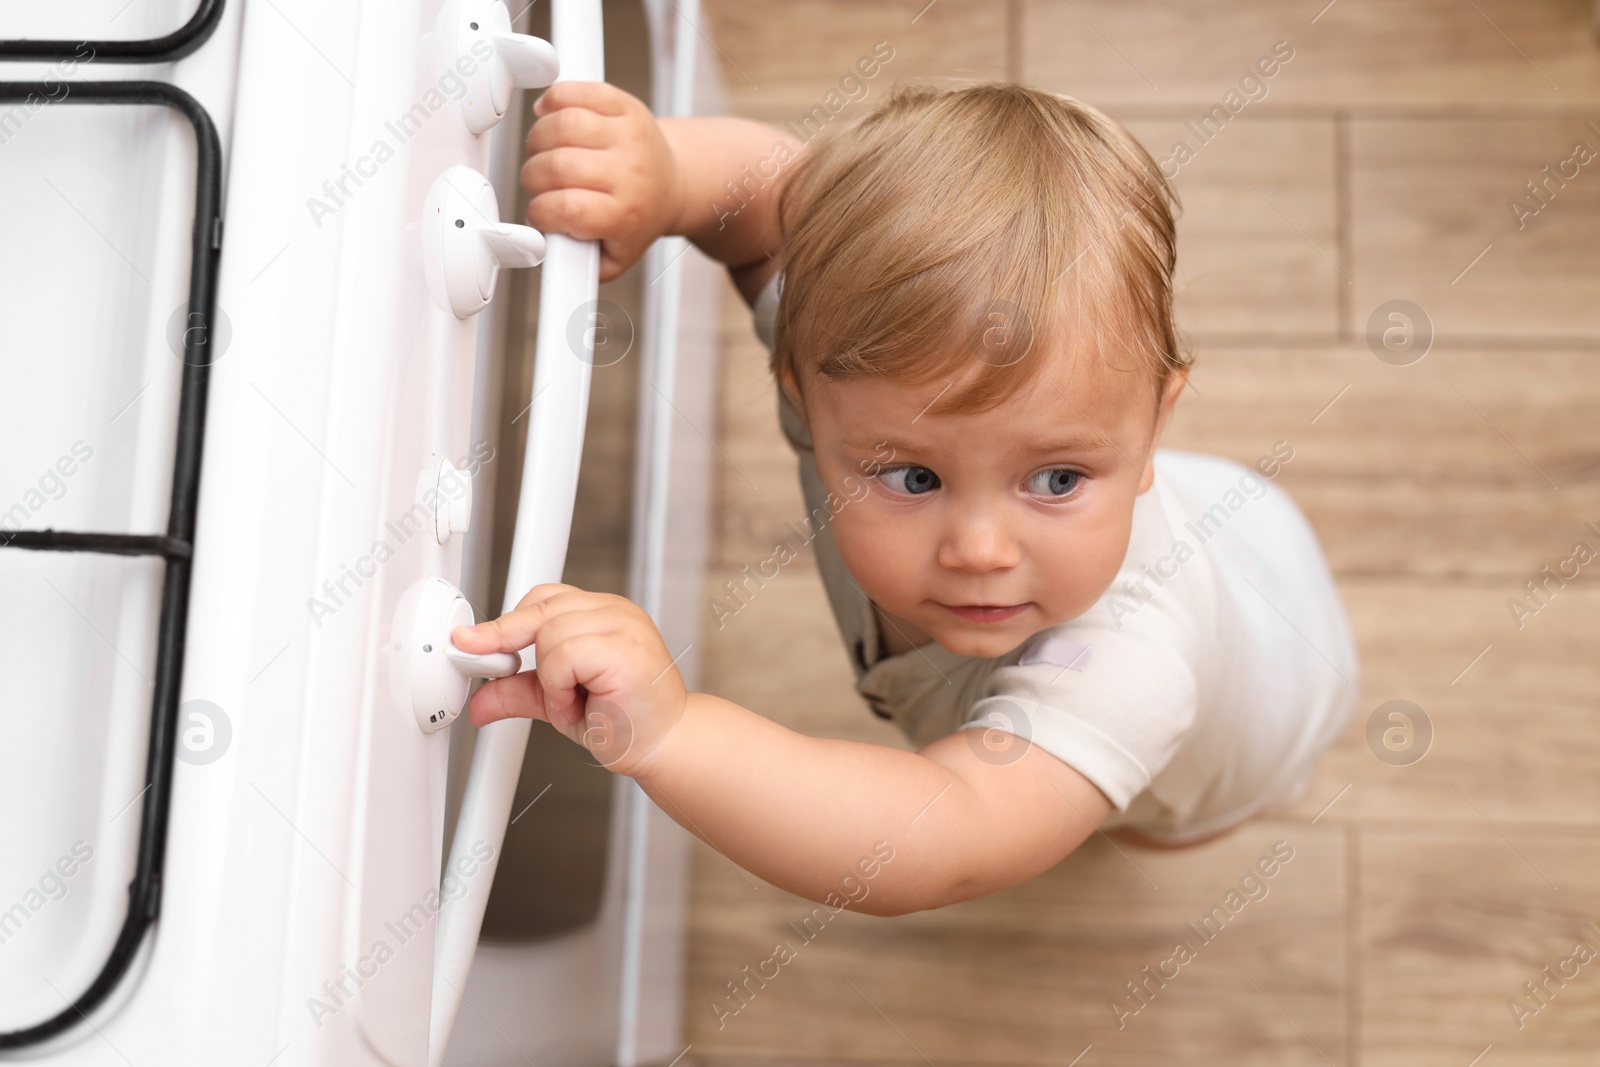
<point>464,243</point>
<point>517,61</point>
<point>452,503</point>
<point>428,674</point>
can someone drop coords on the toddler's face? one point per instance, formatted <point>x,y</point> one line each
<point>1024,509</point>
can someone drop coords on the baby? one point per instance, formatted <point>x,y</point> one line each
<point>967,295</point>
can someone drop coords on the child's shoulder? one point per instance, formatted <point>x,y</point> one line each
<point>1201,476</point>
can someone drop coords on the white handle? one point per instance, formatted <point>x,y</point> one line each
<point>486,665</point>
<point>559,410</point>
<point>531,61</point>
<point>464,243</point>
<point>499,61</point>
<point>514,246</point>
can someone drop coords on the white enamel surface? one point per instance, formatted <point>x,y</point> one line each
<point>318,829</point>
<point>93,261</point>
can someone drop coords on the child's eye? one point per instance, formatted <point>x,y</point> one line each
<point>1058,482</point>
<point>913,481</point>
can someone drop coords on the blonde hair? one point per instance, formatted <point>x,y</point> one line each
<point>984,221</point>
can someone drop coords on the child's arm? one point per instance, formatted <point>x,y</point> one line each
<point>802,812</point>
<point>603,168</point>
<point>954,819</point>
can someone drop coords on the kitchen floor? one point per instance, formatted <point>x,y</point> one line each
<point>1437,871</point>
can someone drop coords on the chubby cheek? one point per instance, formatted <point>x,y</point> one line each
<point>1088,560</point>
<point>1074,589</point>
<point>882,554</point>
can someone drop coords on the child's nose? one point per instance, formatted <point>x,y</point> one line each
<point>978,542</point>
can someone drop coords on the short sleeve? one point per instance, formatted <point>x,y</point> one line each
<point>1112,704</point>
<point>764,311</point>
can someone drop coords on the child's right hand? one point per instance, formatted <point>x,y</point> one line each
<point>601,170</point>
<point>604,677</point>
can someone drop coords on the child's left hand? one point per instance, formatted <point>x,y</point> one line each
<point>603,676</point>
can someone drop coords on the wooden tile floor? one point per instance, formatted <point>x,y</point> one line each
<point>1379,166</point>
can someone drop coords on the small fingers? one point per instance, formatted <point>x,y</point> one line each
<point>613,264</point>
<point>511,632</point>
<point>586,659</point>
<point>544,591</point>
<point>521,695</point>
<point>546,615</point>
<point>574,622</point>
<point>584,214</point>
<point>572,127</point>
<point>524,696</point>
<point>568,168</point>
<point>602,97</point>
<point>515,630</point>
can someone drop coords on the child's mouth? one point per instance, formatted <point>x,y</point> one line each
<point>985,612</point>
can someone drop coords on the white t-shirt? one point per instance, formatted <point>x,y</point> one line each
<point>1203,684</point>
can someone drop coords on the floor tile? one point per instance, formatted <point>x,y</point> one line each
<point>1257,246</point>
<point>1432,222</point>
<point>1501,724</point>
<point>1452,923</point>
<point>1029,976</point>
<point>1467,463</point>
<point>764,68</point>
<point>1347,53</point>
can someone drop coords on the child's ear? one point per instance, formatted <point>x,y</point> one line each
<point>786,382</point>
<point>1170,390</point>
